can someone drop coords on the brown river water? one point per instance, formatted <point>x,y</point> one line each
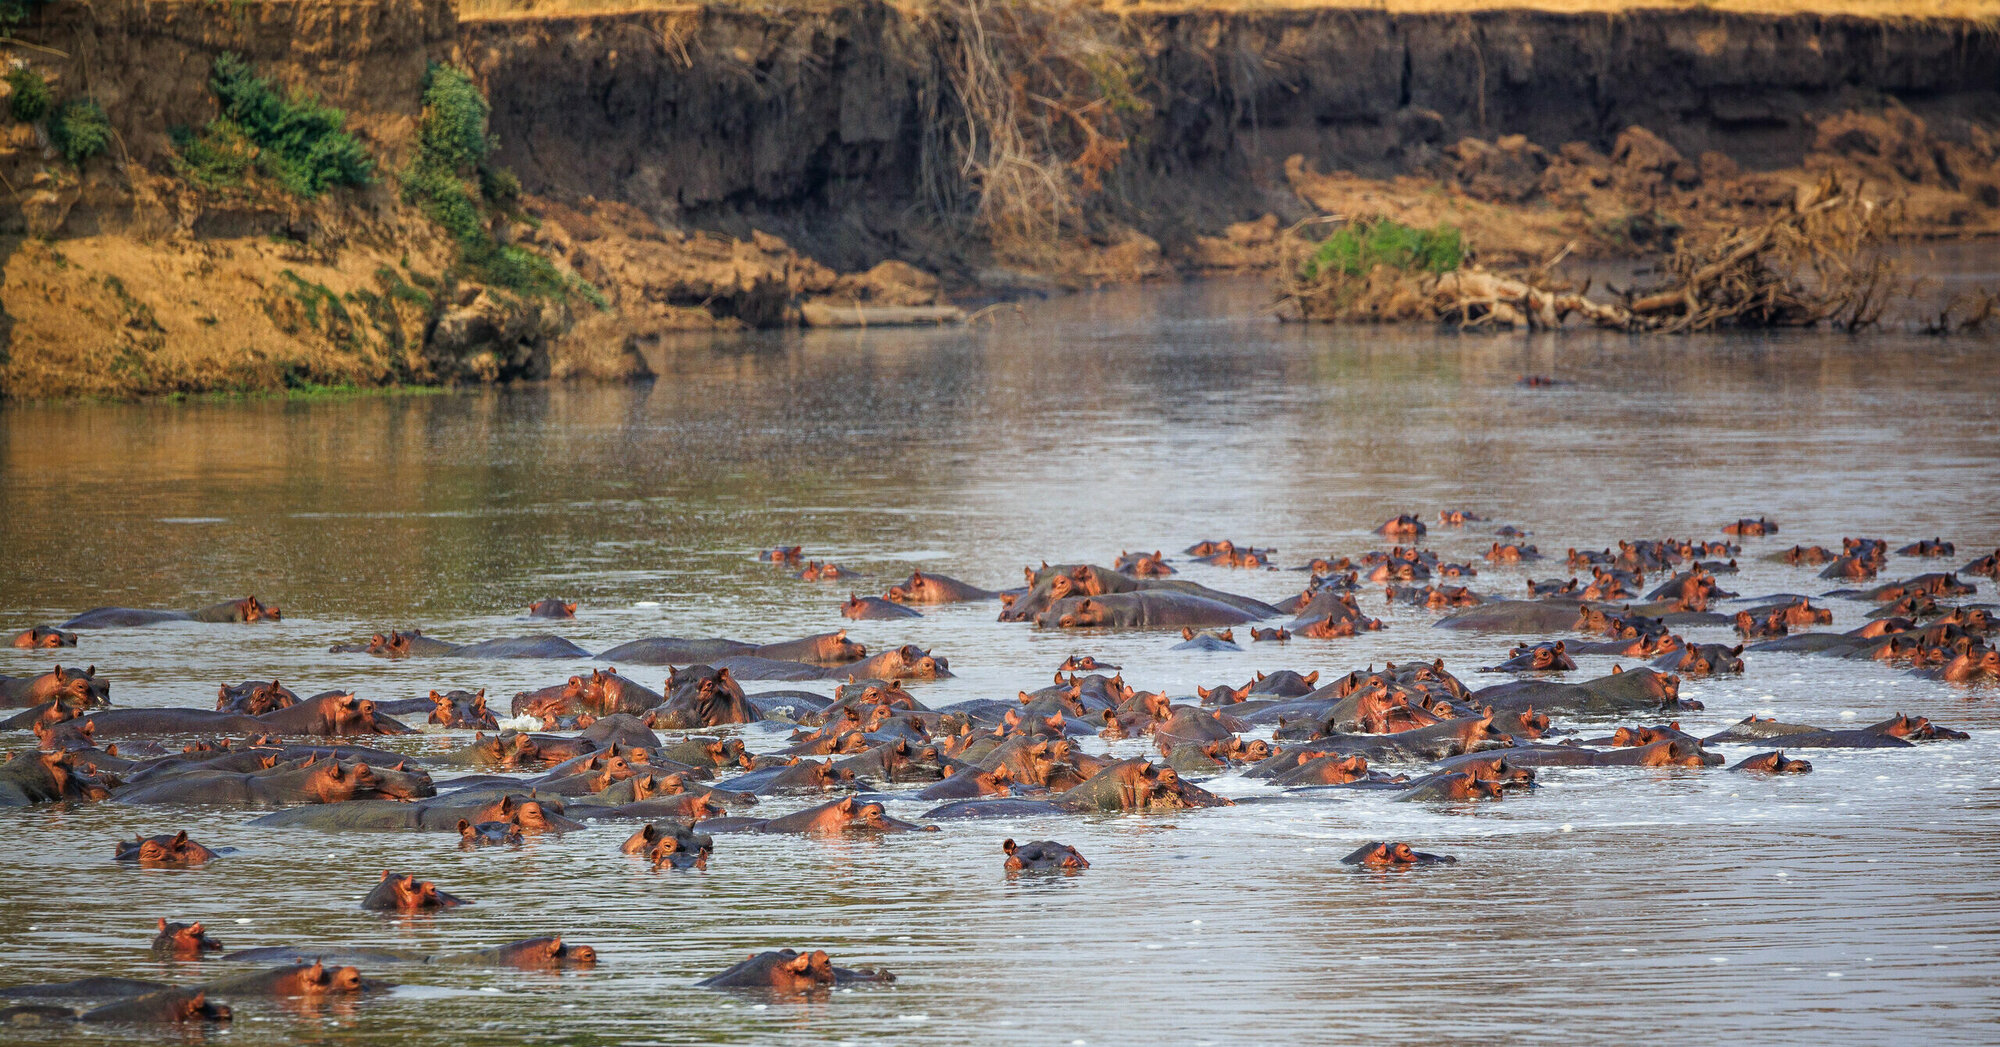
<point>1859,903</point>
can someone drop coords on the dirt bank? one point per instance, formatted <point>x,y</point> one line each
<point>714,165</point>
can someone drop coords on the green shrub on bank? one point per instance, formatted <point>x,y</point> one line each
<point>1356,249</point>
<point>80,130</point>
<point>452,179</point>
<point>291,137</point>
<point>31,99</point>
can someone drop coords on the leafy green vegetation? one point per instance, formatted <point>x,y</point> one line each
<point>31,99</point>
<point>291,137</point>
<point>454,180</point>
<point>1356,249</point>
<point>80,130</point>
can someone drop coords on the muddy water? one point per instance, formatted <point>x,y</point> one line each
<point>1858,903</point>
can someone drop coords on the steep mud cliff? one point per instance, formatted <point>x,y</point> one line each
<point>709,165</point>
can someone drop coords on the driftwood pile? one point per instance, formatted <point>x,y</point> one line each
<point>1813,263</point>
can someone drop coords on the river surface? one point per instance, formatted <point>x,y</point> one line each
<point>1859,903</point>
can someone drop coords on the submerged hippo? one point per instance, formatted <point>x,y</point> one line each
<point>1144,609</point>
<point>552,608</point>
<point>1042,856</point>
<point>403,893</point>
<point>787,971</point>
<point>43,636</point>
<point>1381,855</point>
<point>921,588</point>
<point>248,609</point>
<point>186,941</point>
<point>872,608</point>
<point>165,850</point>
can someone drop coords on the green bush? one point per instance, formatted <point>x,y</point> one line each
<point>291,137</point>
<point>80,130</point>
<point>221,155</point>
<point>32,98</point>
<point>452,181</point>
<point>1357,248</point>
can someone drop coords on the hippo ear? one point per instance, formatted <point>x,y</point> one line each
<point>1007,847</point>
<point>845,806</point>
<point>1617,670</point>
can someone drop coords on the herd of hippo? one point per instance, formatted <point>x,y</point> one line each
<point>670,766</point>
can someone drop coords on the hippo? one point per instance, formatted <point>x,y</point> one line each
<point>1206,640</point>
<point>1641,690</point>
<point>473,835</point>
<point>1147,609</point>
<point>896,761</point>
<point>647,837</point>
<point>824,572</point>
<point>908,662</point>
<point>676,650</point>
<point>1450,786</point>
<point>254,697</point>
<point>166,1005</point>
<point>77,688</point>
<point>789,972</point>
<point>1773,763</point>
<point>297,979</point>
<point>847,815</point>
<point>397,644</point>
<point>402,893</point>
<point>875,608</point>
<point>701,696</point>
<point>969,784</point>
<point>552,608</point>
<point>1703,659</point>
<point>530,954</point>
<point>1541,657</point>
<point>1403,527</point>
<point>1748,528</point>
<point>792,555</point>
<point>1399,855</point>
<point>183,941</point>
<point>921,588</point>
<point>1084,663</point>
<point>462,710</point>
<point>333,714</point>
<point>1042,856</point>
<point>1332,769</point>
<point>707,752</point>
<point>1975,664</point>
<point>1512,552</point>
<point>301,781</point>
<point>1279,635</point>
<point>1458,517</point>
<point>173,850</point>
<point>1137,785</point>
<point>248,609</point>
<point>48,777</point>
<point>43,636</point>
<point>1514,616</point>
<point>805,776</point>
<point>1142,565</point>
<point>833,648</point>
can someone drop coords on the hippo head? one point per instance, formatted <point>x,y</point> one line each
<point>1384,855</point>
<point>42,636</point>
<point>914,589</point>
<point>249,609</point>
<point>462,709</point>
<point>405,893</point>
<point>185,941</point>
<point>394,645</point>
<point>74,687</point>
<point>552,608</point>
<point>547,953</point>
<point>1775,763</point>
<point>530,816</point>
<point>486,834</point>
<point>1042,856</point>
<point>920,664</point>
<point>800,972</point>
<point>164,850</point>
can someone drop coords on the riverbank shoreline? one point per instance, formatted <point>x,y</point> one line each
<point>717,167</point>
